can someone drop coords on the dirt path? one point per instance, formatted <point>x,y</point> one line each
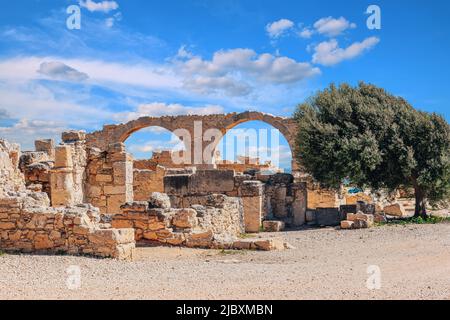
<point>413,260</point>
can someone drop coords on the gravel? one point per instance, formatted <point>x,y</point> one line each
<point>414,263</point>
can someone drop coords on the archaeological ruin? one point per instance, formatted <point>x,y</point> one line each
<point>87,195</point>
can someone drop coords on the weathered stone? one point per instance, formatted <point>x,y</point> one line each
<point>73,135</point>
<point>379,218</point>
<point>63,157</point>
<point>252,213</point>
<point>185,219</point>
<point>199,239</point>
<point>368,218</point>
<point>159,200</point>
<point>346,224</point>
<point>395,210</point>
<point>273,226</point>
<point>328,216</point>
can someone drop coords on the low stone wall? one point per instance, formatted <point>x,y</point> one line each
<point>278,196</point>
<point>28,224</point>
<point>208,222</point>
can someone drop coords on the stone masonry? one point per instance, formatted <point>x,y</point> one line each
<point>29,224</point>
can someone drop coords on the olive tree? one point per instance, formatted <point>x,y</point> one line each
<point>374,139</point>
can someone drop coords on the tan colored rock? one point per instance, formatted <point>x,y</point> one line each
<point>63,157</point>
<point>346,224</point>
<point>379,218</point>
<point>7,225</point>
<point>199,239</point>
<point>185,219</point>
<point>395,210</point>
<point>159,200</point>
<point>367,218</point>
<point>42,241</point>
<point>273,226</point>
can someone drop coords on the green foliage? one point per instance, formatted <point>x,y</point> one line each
<point>224,252</point>
<point>373,139</point>
<point>416,220</point>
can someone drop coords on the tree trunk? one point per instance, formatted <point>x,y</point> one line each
<point>421,204</point>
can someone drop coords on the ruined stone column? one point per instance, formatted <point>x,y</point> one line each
<point>120,189</point>
<point>61,178</point>
<point>252,200</point>
<point>299,204</point>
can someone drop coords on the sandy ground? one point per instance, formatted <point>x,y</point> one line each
<point>413,260</point>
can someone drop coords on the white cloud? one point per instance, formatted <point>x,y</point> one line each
<point>306,33</point>
<point>102,6</point>
<point>332,27</point>
<point>216,85</point>
<point>158,109</point>
<point>26,131</point>
<point>329,53</point>
<point>61,71</point>
<point>278,28</point>
<point>100,72</point>
<point>174,144</point>
<point>265,68</point>
<point>109,22</point>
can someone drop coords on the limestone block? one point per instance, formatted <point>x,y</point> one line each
<point>113,203</point>
<point>62,187</point>
<point>251,189</point>
<point>346,224</point>
<point>176,184</point>
<point>47,146</point>
<point>299,205</point>
<point>252,213</point>
<point>328,216</point>
<point>353,199</point>
<point>367,218</point>
<point>63,157</point>
<point>211,181</point>
<point>73,136</point>
<point>395,210</point>
<point>159,200</point>
<point>103,178</point>
<point>185,219</point>
<point>273,226</point>
<point>114,190</point>
<point>279,202</point>
<point>42,241</point>
<point>379,218</point>
<point>201,239</point>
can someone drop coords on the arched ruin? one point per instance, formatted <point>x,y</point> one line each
<point>113,134</point>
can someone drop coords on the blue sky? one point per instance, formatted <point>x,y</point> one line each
<point>134,57</point>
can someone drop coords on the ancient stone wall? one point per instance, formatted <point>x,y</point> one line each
<point>276,196</point>
<point>147,181</point>
<point>11,178</point>
<point>29,224</point>
<point>109,181</point>
<point>205,221</point>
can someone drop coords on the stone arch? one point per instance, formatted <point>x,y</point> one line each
<point>112,134</point>
<point>286,126</point>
